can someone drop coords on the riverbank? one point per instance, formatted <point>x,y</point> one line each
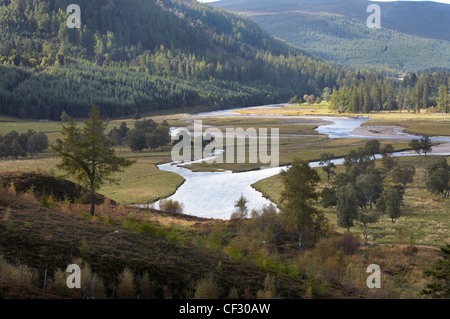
<point>382,131</point>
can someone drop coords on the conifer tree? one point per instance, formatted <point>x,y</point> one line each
<point>88,155</point>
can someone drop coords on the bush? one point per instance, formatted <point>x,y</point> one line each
<point>84,248</point>
<point>348,243</point>
<point>206,288</point>
<point>146,287</point>
<point>269,289</point>
<point>236,255</point>
<point>234,293</point>
<point>47,201</point>
<point>126,288</point>
<point>59,284</point>
<point>171,206</point>
<point>99,288</point>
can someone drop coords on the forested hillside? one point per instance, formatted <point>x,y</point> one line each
<point>413,36</point>
<point>141,55</point>
<point>346,40</point>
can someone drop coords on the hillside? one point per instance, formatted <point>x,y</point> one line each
<point>43,238</point>
<point>337,31</point>
<point>178,252</point>
<point>136,56</point>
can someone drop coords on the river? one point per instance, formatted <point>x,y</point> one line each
<point>213,194</point>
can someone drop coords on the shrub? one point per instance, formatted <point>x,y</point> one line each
<point>269,289</point>
<point>99,288</point>
<point>84,248</point>
<point>348,243</point>
<point>105,208</point>
<point>47,201</point>
<point>146,288</point>
<point>126,288</point>
<point>171,206</point>
<point>11,190</point>
<point>7,220</point>
<point>86,278</point>
<point>236,255</point>
<point>7,215</point>
<point>234,293</point>
<point>206,288</point>
<point>29,196</point>
<point>58,285</point>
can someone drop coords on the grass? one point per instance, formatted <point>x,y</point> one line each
<point>141,183</point>
<point>425,220</point>
<point>322,109</point>
<point>419,124</point>
<point>308,148</point>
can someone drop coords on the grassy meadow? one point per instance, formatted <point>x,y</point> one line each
<point>425,219</point>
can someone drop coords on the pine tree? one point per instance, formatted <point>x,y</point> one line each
<point>442,100</point>
<point>440,273</point>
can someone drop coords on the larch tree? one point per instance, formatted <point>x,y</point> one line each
<point>88,154</point>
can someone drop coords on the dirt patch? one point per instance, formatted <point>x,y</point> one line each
<point>378,130</point>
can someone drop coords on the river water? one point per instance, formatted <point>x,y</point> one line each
<point>213,194</point>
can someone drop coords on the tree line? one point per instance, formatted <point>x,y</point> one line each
<point>413,93</point>
<point>17,145</point>
<point>146,134</point>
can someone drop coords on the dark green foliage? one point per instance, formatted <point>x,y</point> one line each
<point>425,144</point>
<point>415,146</point>
<point>440,287</point>
<point>365,93</point>
<point>131,57</point>
<point>403,173</point>
<point>146,134</point>
<point>88,155</point>
<point>347,206</point>
<point>391,202</point>
<point>372,147</point>
<point>329,197</point>
<point>15,145</point>
<point>438,181</point>
<point>346,40</point>
<point>337,30</point>
<point>136,140</point>
<point>369,186</point>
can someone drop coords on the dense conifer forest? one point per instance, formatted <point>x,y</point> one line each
<point>136,56</point>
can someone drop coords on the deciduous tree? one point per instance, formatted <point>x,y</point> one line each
<point>299,197</point>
